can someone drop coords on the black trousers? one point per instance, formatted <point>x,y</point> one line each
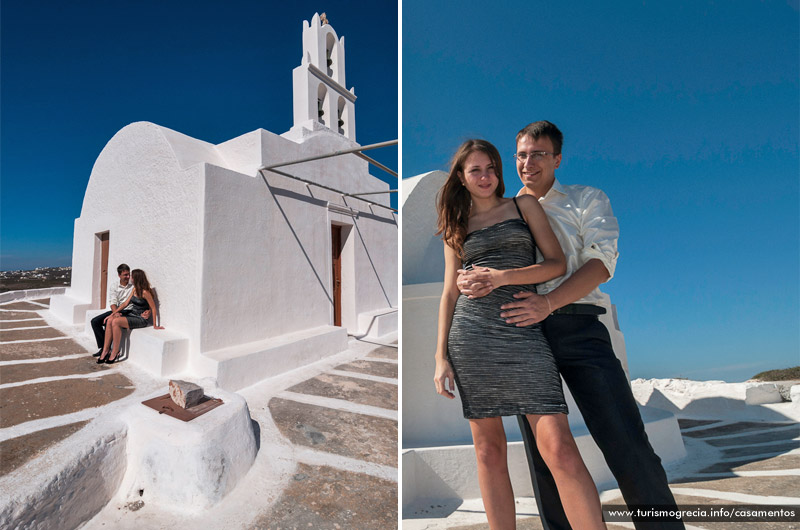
<point>99,328</point>
<point>585,358</point>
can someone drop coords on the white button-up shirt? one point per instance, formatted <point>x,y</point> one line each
<point>586,228</point>
<point>117,294</point>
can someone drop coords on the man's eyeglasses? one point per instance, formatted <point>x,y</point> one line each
<point>535,155</point>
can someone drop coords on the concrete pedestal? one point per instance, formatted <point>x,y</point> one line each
<point>192,465</point>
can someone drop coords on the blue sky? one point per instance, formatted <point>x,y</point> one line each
<point>685,113</point>
<point>74,73</point>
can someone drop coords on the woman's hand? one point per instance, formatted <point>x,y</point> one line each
<point>478,281</point>
<point>151,304</point>
<point>442,373</point>
<point>110,317</point>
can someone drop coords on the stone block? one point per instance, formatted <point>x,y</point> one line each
<point>762,393</point>
<point>184,393</point>
<point>794,394</point>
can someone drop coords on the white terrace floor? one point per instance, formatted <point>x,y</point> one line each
<point>737,454</point>
<point>327,433</point>
<point>728,463</point>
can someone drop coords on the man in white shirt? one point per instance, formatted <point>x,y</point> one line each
<point>117,294</point>
<point>567,307</point>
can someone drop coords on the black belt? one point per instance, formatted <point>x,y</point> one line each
<point>580,309</point>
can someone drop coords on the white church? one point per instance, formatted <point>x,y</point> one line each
<point>256,271</point>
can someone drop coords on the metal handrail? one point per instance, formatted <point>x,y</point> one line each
<point>357,152</point>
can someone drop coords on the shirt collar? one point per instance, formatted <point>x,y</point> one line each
<point>555,188</point>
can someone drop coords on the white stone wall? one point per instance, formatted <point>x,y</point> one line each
<point>423,253</point>
<point>265,260</point>
<point>283,277</point>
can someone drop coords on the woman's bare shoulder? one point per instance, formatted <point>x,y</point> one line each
<point>524,200</point>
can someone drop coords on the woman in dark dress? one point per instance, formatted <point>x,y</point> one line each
<point>141,312</point>
<point>501,369</point>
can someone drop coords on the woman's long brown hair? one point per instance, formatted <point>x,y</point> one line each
<point>140,283</point>
<point>454,201</point>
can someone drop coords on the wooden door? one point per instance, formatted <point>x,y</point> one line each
<point>103,270</point>
<point>336,247</point>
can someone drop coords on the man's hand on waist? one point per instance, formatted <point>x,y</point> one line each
<point>528,309</point>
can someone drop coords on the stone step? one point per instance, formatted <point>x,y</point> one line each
<point>373,366</point>
<point>21,404</point>
<point>348,388</point>
<point>332,498</point>
<point>161,352</point>
<point>244,365</point>
<point>349,434</point>
<point>20,372</point>
<point>378,323</point>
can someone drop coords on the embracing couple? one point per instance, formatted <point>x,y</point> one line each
<point>510,323</point>
<point>132,306</point>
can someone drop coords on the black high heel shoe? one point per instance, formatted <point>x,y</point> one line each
<point>101,360</point>
<point>112,361</point>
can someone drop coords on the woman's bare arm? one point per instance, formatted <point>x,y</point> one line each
<point>482,280</point>
<point>152,303</point>
<point>444,377</point>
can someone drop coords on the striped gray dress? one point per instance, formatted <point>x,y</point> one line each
<point>501,369</point>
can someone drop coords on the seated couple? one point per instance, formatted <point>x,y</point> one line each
<point>132,306</point>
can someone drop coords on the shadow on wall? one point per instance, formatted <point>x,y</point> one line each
<point>297,196</point>
<point>275,192</point>
<point>433,254</point>
<point>366,249</point>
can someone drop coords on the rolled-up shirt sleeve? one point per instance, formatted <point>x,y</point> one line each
<point>113,296</point>
<point>599,230</point>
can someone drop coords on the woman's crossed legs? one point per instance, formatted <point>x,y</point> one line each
<point>114,327</point>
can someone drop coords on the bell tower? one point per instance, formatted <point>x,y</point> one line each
<point>320,96</point>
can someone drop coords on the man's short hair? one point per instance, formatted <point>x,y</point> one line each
<point>538,129</point>
<point>123,267</point>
